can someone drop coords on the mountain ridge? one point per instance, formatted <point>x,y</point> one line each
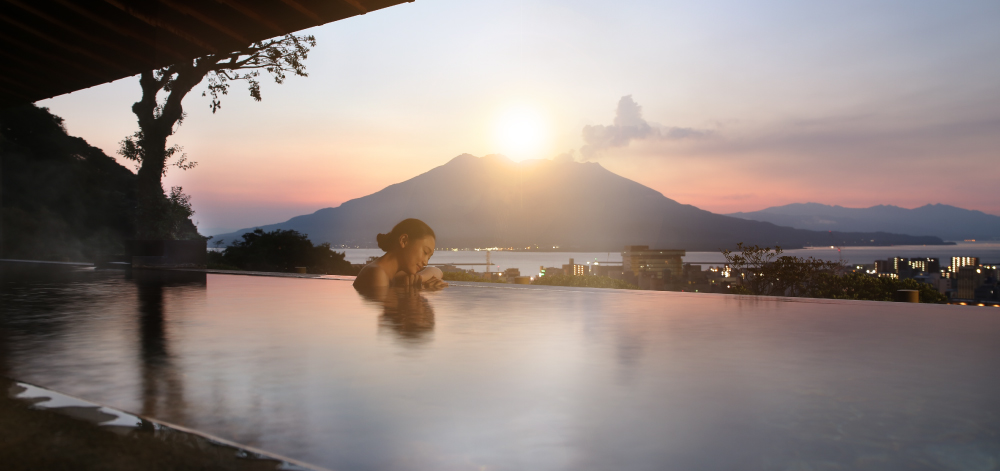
<point>940,220</point>
<point>492,201</point>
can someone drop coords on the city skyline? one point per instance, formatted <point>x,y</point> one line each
<point>721,105</point>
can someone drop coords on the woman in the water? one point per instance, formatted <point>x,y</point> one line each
<point>408,248</point>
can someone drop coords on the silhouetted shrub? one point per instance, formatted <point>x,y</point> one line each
<point>281,251</point>
<point>870,288</point>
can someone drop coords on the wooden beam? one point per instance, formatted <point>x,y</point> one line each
<point>357,5</point>
<point>62,44</point>
<point>29,68</point>
<point>74,30</point>
<point>22,85</point>
<point>305,11</point>
<point>156,23</point>
<point>53,58</point>
<point>120,30</point>
<point>251,13</point>
<point>184,9</point>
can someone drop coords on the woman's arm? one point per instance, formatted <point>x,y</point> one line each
<point>428,278</point>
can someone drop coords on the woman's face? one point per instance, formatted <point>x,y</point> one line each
<point>415,253</point>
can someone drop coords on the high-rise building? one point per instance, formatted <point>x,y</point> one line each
<point>907,267</point>
<point>971,278</point>
<point>612,269</point>
<point>639,261</point>
<point>574,269</point>
<point>926,265</point>
<point>959,262</point>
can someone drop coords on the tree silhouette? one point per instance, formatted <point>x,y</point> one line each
<point>158,119</point>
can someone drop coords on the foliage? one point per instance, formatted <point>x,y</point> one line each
<point>764,271</point>
<point>464,276</point>
<point>177,219</point>
<point>281,251</point>
<point>131,149</point>
<point>63,199</point>
<point>748,264</point>
<point>871,288</point>
<point>583,282</point>
<point>157,119</point>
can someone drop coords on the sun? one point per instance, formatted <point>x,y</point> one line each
<point>521,133</point>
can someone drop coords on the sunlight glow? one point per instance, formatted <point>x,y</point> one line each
<point>521,133</point>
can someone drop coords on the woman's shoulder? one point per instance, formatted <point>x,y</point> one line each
<point>372,275</point>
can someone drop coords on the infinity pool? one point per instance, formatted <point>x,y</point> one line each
<point>496,377</point>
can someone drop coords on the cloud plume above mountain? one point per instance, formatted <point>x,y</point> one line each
<point>628,126</point>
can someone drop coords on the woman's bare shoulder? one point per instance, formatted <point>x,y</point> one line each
<point>371,276</point>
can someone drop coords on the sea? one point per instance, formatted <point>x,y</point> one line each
<point>528,263</point>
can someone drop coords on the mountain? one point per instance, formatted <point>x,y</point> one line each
<point>63,199</point>
<point>940,220</point>
<point>492,201</point>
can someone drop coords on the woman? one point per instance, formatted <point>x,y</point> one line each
<point>408,248</point>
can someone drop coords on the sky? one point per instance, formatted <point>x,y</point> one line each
<point>725,105</point>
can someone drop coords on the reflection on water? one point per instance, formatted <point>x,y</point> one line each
<point>512,378</point>
<point>162,384</point>
<point>406,312</point>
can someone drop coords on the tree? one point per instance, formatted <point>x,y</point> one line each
<point>871,288</point>
<point>764,271</point>
<point>281,251</point>
<point>748,264</point>
<point>159,119</point>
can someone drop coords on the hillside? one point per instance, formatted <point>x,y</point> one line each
<point>940,220</point>
<point>492,201</point>
<point>62,198</point>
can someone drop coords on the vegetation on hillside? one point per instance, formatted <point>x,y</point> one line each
<point>280,251</point>
<point>764,271</point>
<point>583,282</point>
<point>64,199</point>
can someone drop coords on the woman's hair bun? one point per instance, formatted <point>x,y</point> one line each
<point>415,228</point>
<point>384,242</point>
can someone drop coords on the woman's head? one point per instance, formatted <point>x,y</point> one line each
<point>412,241</point>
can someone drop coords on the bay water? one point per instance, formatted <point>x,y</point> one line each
<point>529,262</point>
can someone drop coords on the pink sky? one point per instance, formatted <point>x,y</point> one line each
<point>748,107</point>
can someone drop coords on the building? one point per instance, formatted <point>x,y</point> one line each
<point>608,269</point>
<point>574,269</point>
<point>550,271</point>
<point>907,267</point>
<point>926,265</point>
<point>969,279</point>
<point>959,262</point>
<point>663,265</point>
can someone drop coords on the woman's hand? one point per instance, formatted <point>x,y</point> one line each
<point>428,279</point>
<point>434,284</point>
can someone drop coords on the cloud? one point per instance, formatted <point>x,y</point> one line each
<point>629,126</point>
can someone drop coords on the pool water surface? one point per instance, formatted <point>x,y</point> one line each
<point>496,377</point>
